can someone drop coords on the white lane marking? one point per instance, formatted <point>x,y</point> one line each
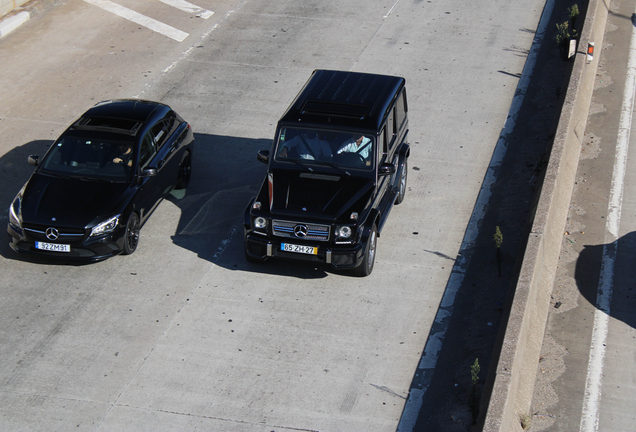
<point>428,362</point>
<point>596,362</point>
<point>187,52</point>
<point>189,7</point>
<point>140,19</point>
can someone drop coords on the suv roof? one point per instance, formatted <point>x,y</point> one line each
<point>344,99</point>
<point>122,115</point>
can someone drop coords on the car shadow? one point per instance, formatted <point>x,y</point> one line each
<point>588,270</point>
<point>14,173</point>
<point>225,175</point>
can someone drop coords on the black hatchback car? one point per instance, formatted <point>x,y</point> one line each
<point>100,180</point>
<point>337,166</point>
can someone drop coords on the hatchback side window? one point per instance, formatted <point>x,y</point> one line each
<point>147,150</point>
<point>160,132</point>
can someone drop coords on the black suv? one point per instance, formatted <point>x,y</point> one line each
<point>337,165</point>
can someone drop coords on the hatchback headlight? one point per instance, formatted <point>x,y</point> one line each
<point>15,210</point>
<point>105,227</point>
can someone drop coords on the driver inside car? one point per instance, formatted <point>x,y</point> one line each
<point>361,146</point>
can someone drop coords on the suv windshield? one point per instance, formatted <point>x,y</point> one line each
<point>341,149</point>
<point>90,158</point>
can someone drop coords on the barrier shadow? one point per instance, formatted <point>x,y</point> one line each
<point>587,274</point>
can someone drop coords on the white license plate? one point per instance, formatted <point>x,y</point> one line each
<point>310,250</point>
<point>53,247</point>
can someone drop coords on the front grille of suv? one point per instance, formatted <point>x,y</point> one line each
<point>289,229</point>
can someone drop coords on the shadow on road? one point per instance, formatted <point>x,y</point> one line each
<point>588,272</point>
<point>225,175</point>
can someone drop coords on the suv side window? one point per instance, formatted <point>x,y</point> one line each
<point>400,108</point>
<point>390,129</point>
<point>382,146</point>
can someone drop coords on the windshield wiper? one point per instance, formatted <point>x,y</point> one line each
<point>298,162</point>
<point>333,165</point>
<point>55,174</point>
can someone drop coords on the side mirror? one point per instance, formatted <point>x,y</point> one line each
<point>263,156</point>
<point>386,169</point>
<point>33,160</point>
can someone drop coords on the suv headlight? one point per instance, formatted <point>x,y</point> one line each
<point>260,222</point>
<point>105,227</point>
<point>343,232</point>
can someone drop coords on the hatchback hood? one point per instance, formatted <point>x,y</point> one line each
<point>69,202</point>
<point>317,194</point>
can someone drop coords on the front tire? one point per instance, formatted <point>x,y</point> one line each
<point>366,266</point>
<point>185,172</point>
<point>131,237</point>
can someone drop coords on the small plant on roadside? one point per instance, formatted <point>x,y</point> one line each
<point>498,239</point>
<point>526,421</point>
<point>473,402</point>
<point>567,31</point>
<point>573,13</point>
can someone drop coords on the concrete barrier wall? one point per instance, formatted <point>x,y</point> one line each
<point>7,6</point>
<point>516,371</point>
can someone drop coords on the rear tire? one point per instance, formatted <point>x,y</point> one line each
<point>402,186</point>
<point>131,237</point>
<point>366,266</point>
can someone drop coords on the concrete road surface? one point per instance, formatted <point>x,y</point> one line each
<point>184,334</point>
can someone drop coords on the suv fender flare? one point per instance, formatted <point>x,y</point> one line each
<point>247,217</point>
<point>372,219</point>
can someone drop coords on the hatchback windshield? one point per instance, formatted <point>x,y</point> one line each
<point>92,158</point>
<point>343,149</point>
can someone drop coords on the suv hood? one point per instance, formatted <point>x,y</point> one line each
<point>319,194</point>
<point>72,202</point>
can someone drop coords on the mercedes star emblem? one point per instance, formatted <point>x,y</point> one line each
<point>52,234</point>
<point>300,231</point>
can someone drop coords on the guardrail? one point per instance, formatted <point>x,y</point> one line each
<point>515,375</point>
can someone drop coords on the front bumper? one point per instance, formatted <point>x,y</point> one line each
<point>87,249</point>
<point>338,256</point>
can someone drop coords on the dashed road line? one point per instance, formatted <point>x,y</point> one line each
<point>150,23</point>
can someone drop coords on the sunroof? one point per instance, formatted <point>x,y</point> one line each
<point>119,124</point>
<point>331,108</point>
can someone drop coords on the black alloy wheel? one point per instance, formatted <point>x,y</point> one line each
<point>185,172</point>
<point>131,237</point>
<point>366,266</point>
